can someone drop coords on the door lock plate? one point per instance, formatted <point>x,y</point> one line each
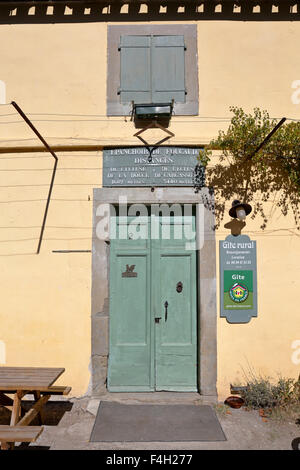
<point>179,286</point>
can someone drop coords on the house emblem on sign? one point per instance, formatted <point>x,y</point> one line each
<point>238,293</point>
<point>129,271</point>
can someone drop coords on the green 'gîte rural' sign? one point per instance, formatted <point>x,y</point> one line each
<point>238,279</point>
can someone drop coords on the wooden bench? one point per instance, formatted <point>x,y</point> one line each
<point>56,390</point>
<point>12,434</point>
<point>41,396</point>
<point>53,390</point>
<point>21,381</point>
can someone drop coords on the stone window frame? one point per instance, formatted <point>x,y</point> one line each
<point>114,106</point>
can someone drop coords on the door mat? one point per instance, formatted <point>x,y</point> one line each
<point>117,422</point>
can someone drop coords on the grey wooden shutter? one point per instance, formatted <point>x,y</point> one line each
<point>152,69</point>
<point>168,69</point>
<point>135,83</point>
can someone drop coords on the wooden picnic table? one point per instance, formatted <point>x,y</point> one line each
<point>21,381</point>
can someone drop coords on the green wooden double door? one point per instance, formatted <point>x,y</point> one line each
<point>153,304</point>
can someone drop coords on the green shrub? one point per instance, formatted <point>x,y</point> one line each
<point>260,392</point>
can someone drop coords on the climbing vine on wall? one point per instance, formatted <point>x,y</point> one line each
<point>270,174</point>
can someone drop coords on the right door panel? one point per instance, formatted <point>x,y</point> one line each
<point>176,333</point>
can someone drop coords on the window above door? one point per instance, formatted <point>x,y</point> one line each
<point>152,64</point>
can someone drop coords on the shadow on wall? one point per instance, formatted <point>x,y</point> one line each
<point>72,11</point>
<point>249,183</point>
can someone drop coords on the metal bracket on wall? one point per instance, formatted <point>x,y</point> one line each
<point>23,115</point>
<point>151,148</point>
<point>266,139</point>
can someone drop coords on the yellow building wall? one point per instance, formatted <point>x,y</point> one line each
<point>57,74</point>
<point>45,308</point>
<point>268,344</point>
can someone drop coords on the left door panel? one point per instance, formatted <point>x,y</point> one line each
<point>130,364</point>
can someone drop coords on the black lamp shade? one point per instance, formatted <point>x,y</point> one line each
<point>153,111</point>
<point>236,204</point>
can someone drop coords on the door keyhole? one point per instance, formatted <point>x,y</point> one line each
<point>179,286</point>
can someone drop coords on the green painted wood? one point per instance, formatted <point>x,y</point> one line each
<point>152,69</point>
<point>130,357</point>
<point>135,69</point>
<point>167,67</point>
<point>176,334</point>
<point>145,355</point>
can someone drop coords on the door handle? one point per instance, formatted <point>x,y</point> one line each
<point>166,310</point>
<point>157,319</point>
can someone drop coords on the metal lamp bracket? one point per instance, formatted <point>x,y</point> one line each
<point>153,124</point>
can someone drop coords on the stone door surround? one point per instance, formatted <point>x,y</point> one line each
<point>207,308</point>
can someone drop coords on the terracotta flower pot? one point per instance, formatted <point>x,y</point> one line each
<point>234,402</point>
